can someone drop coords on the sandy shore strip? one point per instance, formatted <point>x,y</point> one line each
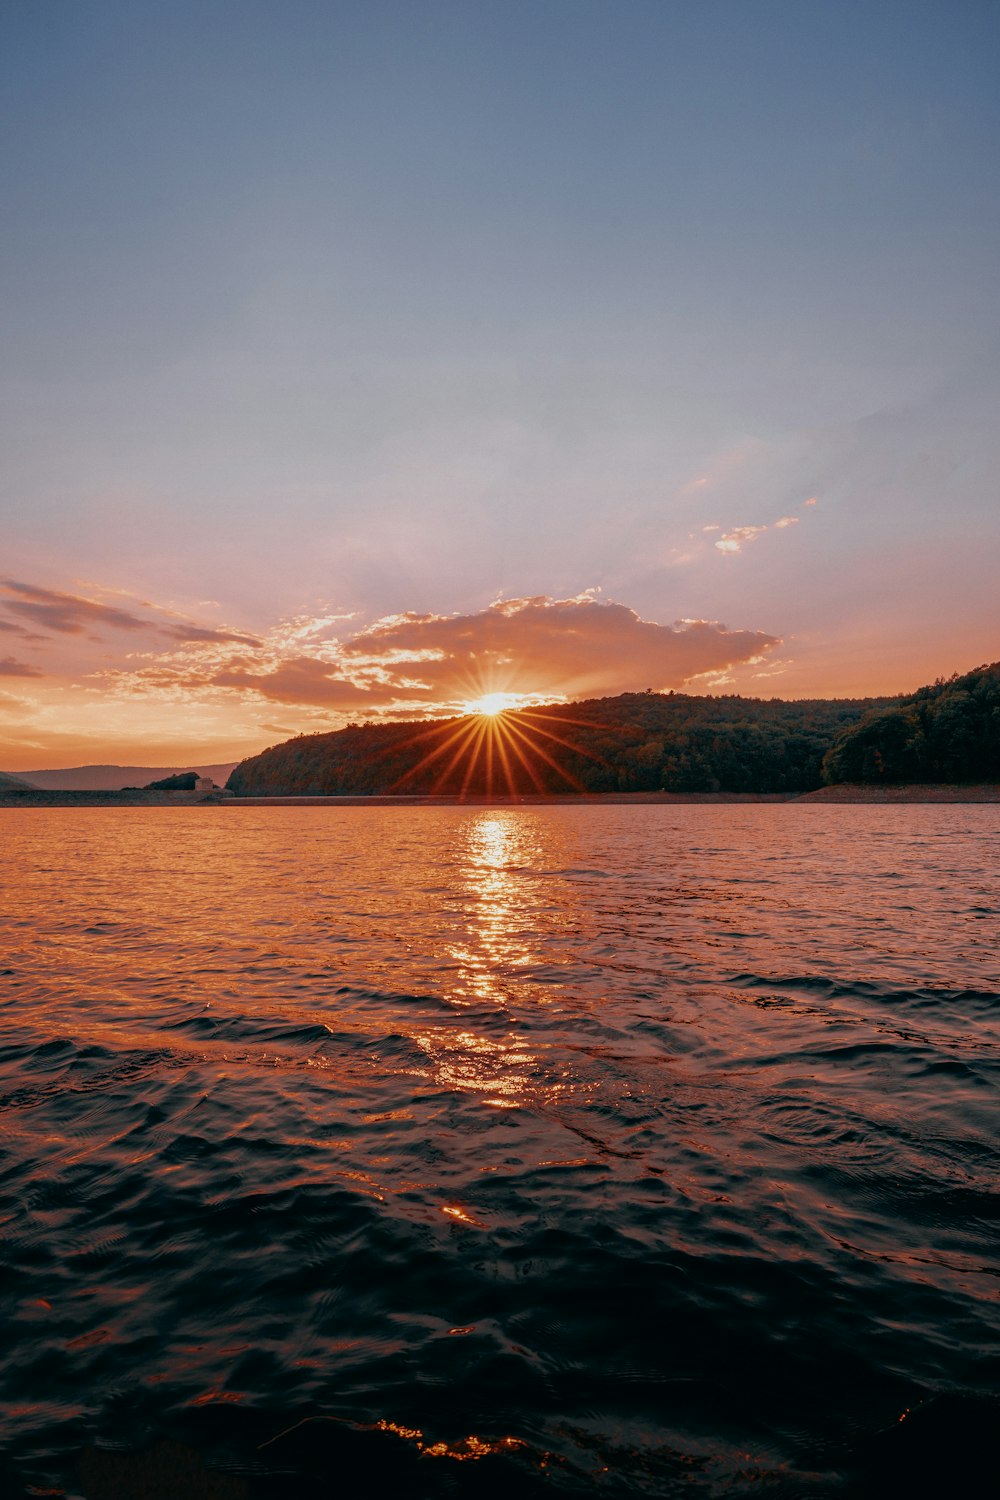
<point>915,792</point>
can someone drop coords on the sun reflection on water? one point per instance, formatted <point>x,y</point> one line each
<point>497,855</point>
<point>492,955</point>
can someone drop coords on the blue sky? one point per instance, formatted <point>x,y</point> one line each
<point>339,311</point>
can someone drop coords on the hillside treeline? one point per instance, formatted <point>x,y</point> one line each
<point>949,731</point>
<point>635,742</point>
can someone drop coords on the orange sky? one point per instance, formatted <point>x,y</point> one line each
<point>364,365</point>
<point>102,675</point>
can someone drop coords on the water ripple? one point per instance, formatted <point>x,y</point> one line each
<point>573,1149</point>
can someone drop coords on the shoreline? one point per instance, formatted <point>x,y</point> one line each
<point>825,796</point>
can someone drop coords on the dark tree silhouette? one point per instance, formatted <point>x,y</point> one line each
<point>949,731</point>
<point>635,742</point>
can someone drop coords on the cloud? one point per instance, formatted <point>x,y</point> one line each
<point>12,628</point>
<point>741,536</point>
<point>409,665</point>
<point>303,679</point>
<point>11,668</point>
<point>69,614</point>
<point>74,614</point>
<point>208,635</point>
<point>564,647</point>
<point>539,648</point>
<point>738,538</point>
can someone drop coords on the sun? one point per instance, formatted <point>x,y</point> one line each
<point>504,745</point>
<point>491,704</point>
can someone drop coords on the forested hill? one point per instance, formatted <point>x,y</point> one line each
<point>949,731</point>
<point>636,742</point>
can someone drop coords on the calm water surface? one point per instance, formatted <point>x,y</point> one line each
<point>442,1151</point>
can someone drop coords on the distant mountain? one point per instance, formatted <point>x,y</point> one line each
<point>7,781</point>
<point>114,778</point>
<point>636,742</point>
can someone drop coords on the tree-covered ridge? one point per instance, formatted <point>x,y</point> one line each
<point>182,781</point>
<point>949,731</point>
<point>635,742</point>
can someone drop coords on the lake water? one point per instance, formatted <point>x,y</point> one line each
<point>438,1151</point>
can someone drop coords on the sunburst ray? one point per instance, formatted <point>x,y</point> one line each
<point>507,753</point>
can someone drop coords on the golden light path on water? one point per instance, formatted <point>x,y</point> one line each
<point>492,958</point>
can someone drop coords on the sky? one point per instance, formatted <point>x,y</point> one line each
<point>364,359</point>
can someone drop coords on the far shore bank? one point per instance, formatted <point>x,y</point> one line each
<point>936,792</point>
<point>824,796</point>
<point>42,797</point>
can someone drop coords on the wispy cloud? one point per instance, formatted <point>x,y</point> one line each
<point>67,614</point>
<point>209,634</point>
<point>11,668</point>
<point>305,680</point>
<point>13,627</point>
<point>739,537</point>
<point>75,614</point>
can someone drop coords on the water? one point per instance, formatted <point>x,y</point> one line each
<point>440,1151</point>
